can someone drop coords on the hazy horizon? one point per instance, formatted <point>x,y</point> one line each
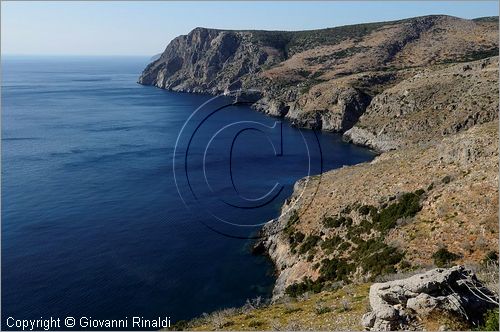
<point>144,29</point>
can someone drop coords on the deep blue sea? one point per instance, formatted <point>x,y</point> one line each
<point>92,220</point>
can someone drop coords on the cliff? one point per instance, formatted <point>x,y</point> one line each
<point>323,79</point>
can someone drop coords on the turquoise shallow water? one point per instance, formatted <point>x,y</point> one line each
<point>92,223</point>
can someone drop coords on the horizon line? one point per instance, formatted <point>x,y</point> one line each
<point>73,54</point>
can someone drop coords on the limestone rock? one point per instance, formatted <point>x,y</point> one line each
<point>398,304</point>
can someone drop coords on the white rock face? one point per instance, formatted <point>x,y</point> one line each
<point>364,137</point>
<point>397,304</point>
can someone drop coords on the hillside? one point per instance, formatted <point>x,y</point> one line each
<point>322,79</point>
<point>391,214</point>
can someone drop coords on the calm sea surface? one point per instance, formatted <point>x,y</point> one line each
<point>92,222</point>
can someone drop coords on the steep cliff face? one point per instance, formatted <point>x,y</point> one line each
<point>209,61</point>
<point>323,79</point>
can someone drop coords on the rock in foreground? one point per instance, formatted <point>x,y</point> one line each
<point>454,292</point>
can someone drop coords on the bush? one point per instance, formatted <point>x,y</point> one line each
<point>320,309</point>
<point>309,243</point>
<point>297,289</point>
<point>377,257</point>
<point>295,237</point>
<point>329,245</point>
<point>335,269</point>
<point>407,206</point>
<point>446,179</point>
<point>255,323</point>
<point>330,222</point>
<point>344,246</point>
<point>346,210</point>
<point>367,209</point>
<point>443,257</point>
<point>294,218</point>
<point>383,261</point>
<point>491,257</point>
<point>180,325</point>
<point>490,321</point>
<point>289,229</point>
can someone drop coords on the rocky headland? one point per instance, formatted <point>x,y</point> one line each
<point>423,92</point>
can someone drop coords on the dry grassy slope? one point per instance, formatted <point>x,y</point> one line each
<point>328,311</point>
<point>460,212</point>
<point>415,42</point>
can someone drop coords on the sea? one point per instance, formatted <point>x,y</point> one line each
<point>121,200</point>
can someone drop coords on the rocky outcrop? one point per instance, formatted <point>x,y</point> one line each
<point>430,105</point>
<point>328,107</point>
<point>455,292</point>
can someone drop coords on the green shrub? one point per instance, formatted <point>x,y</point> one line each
<point>335,269</point>
<point>297,289</point>
<point>289,229</point>
<point>346,210</point>
<point>255,323</point>
<point>476,55</point>
<point>383,261</point>
<point>490,321</point>
<point>367,209</point>
<point>331,222</point>
<point>329,245</point>
<point>296,237</point>
<point>309,243</point>
<point>407,206</point>
<point>294,218</point>
<point>490,257</point>
<point>365,226</point>
<point>344,246</point>
<point>288,311</point>
<point>405,265</point>
<point>377,257</point>
<point>322,310</point>
<point>303,72</point>
<point>446,179</point>
<point>443,257</point>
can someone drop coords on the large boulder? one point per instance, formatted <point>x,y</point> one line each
<point>453,292</point>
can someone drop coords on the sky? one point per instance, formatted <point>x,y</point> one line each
<point>145,28</point>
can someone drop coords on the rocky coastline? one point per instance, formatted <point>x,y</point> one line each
<point>423,92</point>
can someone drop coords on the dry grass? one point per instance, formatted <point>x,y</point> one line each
<point>337,310</point>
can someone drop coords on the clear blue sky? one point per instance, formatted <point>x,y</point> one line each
<point>145,28</point>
